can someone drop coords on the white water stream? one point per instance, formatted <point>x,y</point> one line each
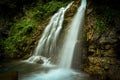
<point>72,36</point>
<point>47,43</point>
<point>30,70</point>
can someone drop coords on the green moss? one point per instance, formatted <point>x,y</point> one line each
<point>43,11</point>
<point>100,25</point>
<point>22,29</point>
<point>103,20</point>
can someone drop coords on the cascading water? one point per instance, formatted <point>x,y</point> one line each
<point>47,43</point>
<point>72,36</point>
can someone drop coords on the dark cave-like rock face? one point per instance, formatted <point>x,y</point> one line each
<point>103,53</point>
<point>104,58</point>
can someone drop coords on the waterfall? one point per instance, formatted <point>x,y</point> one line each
<point>72,36</point>
<point>30,70</point>
<point>47,42</point>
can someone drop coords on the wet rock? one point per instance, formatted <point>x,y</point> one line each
<point>109,37</point>
<point>91,48</point>
<point>89,11</point>
<point>40,61</point>
<point>26,56</point>
<point>103,58</point>
<point>93,70</point>
<point>107,47</point>
<point>108,53</point>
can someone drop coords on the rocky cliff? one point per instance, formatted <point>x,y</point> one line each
<point>102,30</point>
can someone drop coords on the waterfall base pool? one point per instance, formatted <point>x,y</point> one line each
<point>33,71</point>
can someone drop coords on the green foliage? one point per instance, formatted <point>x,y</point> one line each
<point>23,29</point>
<point>100,25</point>
<point>103,21</point>
<point>52,7</point>
<point>20,31</point>
<point>42,11</point>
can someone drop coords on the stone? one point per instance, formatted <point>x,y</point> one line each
<point>40,61</point>
<point>109,37</point>
<point>108,53</point>
<point>93,69</point>
<point>91,48</point>
<point>26,56</point>
<point>101,60</point>
<point>108,46</point>
<point>89,11</point>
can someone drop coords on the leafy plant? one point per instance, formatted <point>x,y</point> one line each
<point>23,29</point>
<point>100,25</point>
<point>103,21</point>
